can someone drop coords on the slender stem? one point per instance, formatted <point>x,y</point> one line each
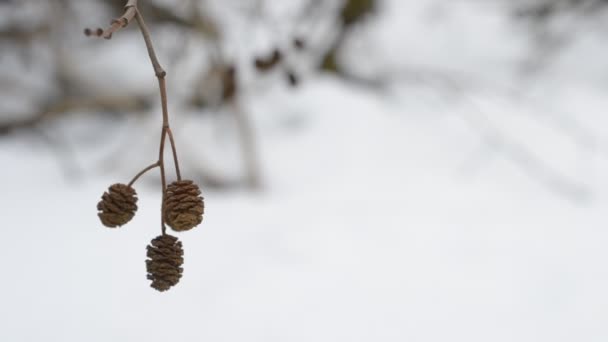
<point>158,70</point>
<point>163,179</point>
<point>132,11</point>
<point>142,172</point>
<point>162,85</point>
<point>174,151</point>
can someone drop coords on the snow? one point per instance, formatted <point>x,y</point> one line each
<point>404,215</point>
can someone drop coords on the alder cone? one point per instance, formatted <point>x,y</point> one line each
<point>184,207</point>
<point>117,206</point>
<point>165,258</point>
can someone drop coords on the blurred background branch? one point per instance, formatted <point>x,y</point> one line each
<point>50,72</point>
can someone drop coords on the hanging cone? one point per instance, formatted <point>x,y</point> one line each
<point>165,258</point>
<point>184,207</point>
<point>117,206</point>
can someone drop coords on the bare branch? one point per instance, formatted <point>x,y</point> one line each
<point>117,24</point>
<point>131,11</point>
<point>69,104</point>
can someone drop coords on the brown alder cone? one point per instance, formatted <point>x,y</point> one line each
<point>184,207</point>
<point>165,258</point>
<point>117,206</point>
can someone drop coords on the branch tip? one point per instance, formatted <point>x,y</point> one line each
<point>123,22</point>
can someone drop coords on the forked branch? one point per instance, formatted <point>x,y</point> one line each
<point>132,12</point>
<point>182,206</point>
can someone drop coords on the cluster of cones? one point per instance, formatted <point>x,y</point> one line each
<point>183,209</point>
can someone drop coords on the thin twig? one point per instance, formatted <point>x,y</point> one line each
<point>142,172</point>
<point>163,179</point>
<point>131,11</point>
<point>158,70</point>
<point>117,24</point>
<point>174,151</point>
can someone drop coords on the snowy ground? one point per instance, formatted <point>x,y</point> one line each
<point>367,231</point>
<point>418,213</point>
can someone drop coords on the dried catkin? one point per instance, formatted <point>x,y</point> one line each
<point>184,207</point>
<point>117,206</point>
<point>165,258</point>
